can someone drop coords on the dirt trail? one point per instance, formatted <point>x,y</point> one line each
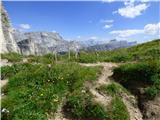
<point>132,107</point>
<point>129,100</point>
<point>102,80</point>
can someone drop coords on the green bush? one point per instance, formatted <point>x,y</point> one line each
<point>45,59</point>
<point>113,89</point>
<point>118,110</point>
<point>135,72</point>
<point>9,71</point>
<point>140,74</point>
<point>80,106</point>
<point>151,92</point>
<point>12,57</point>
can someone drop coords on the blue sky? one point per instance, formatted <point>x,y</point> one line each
<point>88,20</point>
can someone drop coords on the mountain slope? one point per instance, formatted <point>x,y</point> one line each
<point>141,52</point>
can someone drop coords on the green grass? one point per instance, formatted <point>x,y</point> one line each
<point>146,51</point>
<point>45,59</point>
<point>142,74</point>
<point>80,106</point>
<point>37,90</point>
<point>118,110</point>
<point>113,89</point>
<point>10,71</point>
<point>12,57</point>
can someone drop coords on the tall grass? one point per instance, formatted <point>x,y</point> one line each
<point>36,90</point>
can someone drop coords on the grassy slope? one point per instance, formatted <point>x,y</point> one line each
<point>36,90</point>
<point>142,52</point>
<point>145,73</point>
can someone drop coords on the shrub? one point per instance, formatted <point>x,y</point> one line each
<point>118,110</point>
<point>113,89</point>
<point>135,72</point>
<point>151,92</point>
<point>140,74</point>
<point>45,59</point>
<point>80,106</point>
<point>12,57</point>
<point>9,71</point>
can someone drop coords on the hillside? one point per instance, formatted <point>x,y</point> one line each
<point>45,87</point>
<point>142,52</point>
<point>77,84</point>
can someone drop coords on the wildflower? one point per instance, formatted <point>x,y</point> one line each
<point>5,110</point>
<point>83,91</point>
<point>55,100</point>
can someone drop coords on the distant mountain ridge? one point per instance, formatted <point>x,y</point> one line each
<point>112,44</point>
<point>40,43</point>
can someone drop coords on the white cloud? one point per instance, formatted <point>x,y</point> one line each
<point>25,26</point>
<point>107,26</point>
<point>152,28</point>
<point>93,37</point>
<point>54,31</point>
<point>131,10</point>
<point>127,33</point>
<point>79,37</point>
<point>149,29</point>
<point>108,1</point>
<point>106,21</point>
<point>146,0</point>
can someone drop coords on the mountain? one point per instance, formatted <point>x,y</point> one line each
<point>91,42</point>
<point>112,44</point>
<point>6,33</point>
<point>39,43</point>
<point>31,43</point>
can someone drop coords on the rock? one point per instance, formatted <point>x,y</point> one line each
<point>39,43</point>
<point>28,47</point>
<point>152,109</point>
<point>6,33</point>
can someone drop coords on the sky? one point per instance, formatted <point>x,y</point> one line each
<point>83,20</point>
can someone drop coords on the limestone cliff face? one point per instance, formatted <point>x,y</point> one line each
<point>29,47</point>
<point>7,41</point>
<point>39,43</point>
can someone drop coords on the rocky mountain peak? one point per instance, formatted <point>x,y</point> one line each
<point>6,33</point>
